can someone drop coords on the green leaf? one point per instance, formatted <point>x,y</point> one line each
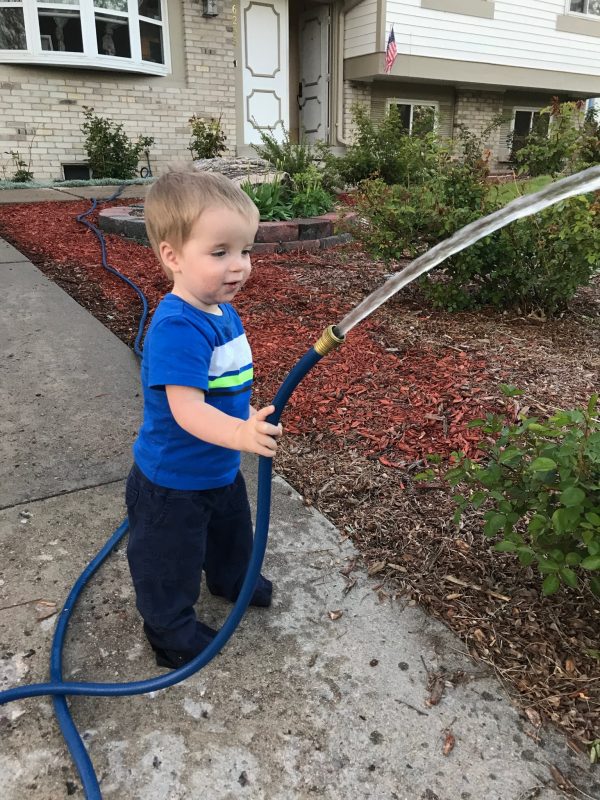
<point>591,563</point>
<point>537,524</point>
<point>550,585</point>
<point>595,586</point>
<point>569,577</point>
<point>426,475</point>
<point>505,546</point>
<point>548,565</point>
<point>526,555</point>
<point>508,390</point>
<point>494,524</point>
<point>572,496</point>
<point>593,518</point>
<point>542,464</point>
<point>478,499</point>
<point>573,559</point>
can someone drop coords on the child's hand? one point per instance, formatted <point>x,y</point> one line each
<point>256,435</point>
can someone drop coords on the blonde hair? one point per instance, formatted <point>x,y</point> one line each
<point>179,197</point>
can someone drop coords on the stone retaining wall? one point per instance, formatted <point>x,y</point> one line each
<point>314,233</point>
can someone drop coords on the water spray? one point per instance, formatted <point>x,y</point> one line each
<point>330,339</point>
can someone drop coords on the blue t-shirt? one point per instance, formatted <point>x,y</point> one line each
<point>185,346</point>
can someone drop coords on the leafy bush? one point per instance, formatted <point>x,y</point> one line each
<point>305,197</point>
<point>208,138</point>
<point>388,152</point>
<point>270,199</point>
<point>285,156</point>
<point>563,141</point>
<point>110,152</point>
<point>308,197</point>
<point>406,219</point>
<point>534,265</point>
<point>541,485</point>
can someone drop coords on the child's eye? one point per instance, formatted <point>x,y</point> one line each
<point>246,252</point>
<point>219,253</point>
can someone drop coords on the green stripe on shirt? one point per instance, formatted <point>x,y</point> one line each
<point>230,381</point>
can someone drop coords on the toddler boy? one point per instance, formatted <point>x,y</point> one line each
<point>186,498</point>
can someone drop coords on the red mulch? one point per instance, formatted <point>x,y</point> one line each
<point>362,423</point>
<point>386,405</point>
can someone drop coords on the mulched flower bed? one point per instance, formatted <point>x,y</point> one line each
<point>360,426</point>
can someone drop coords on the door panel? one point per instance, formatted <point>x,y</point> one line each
<point>264,29</point>
<point>314,73</point>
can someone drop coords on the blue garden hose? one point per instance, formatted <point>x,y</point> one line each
<point>59,689</point>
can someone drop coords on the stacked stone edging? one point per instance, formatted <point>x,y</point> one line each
<point>308,235</point>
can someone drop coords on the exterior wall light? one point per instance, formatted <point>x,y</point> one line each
<point>209,8</point>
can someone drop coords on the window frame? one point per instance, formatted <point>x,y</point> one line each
<point>580,14</point>
<point>89,58</point>
<point>508,148</point>
<point>399,101</point>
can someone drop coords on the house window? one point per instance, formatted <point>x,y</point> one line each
<point>125,35</point>
<point>60,26</point>
<point>416,117</point>
<point>585,7</point>
<point>12,25</point>
<point>525,121</point>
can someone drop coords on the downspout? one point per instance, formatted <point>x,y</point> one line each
<point>339,122</point>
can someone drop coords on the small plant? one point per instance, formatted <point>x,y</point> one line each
<point>285,155</point>
<point>110,152</point>
<point>23,173</point>
<point>270,199</point>
<point>208,138</point>
<point>309,198</point>
<point>541,486</point>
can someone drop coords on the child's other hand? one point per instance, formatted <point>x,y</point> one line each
<point>256,435</point>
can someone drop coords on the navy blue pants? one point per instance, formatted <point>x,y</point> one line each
<point>173,536</point>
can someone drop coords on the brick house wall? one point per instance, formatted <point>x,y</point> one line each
<point>477,110</point>
<point>49,100</point>
<point>354,92</point>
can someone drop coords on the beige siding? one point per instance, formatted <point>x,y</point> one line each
<point>360,36</point>
<point>519,35</point>
<point>442,95</point>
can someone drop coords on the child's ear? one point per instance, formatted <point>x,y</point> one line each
<point>169,256</point>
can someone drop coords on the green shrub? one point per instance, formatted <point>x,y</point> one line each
<point>541,486</point>
<point>308,197</point>
<point>388,152</point>
<point>110,152</point>
<point>270,199</point>
<point>404,220</point>
<point>534,265</point>
<point>208,138</point>
<point>285,156</point>
<point>563,141</point>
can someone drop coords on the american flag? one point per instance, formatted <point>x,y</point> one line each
<point>391,51</point>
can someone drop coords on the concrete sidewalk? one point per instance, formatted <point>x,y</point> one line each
<point>69,193</point>
<point>298,704</point>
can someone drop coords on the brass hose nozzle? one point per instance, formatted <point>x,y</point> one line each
<point>328,341</point>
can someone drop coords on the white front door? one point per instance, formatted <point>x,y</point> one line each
<point>264,43</point>
<point>314,73</point>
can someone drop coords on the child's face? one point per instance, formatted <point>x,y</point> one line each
<point>214,263</point>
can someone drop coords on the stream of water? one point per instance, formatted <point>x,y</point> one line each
<point>580,183</point>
